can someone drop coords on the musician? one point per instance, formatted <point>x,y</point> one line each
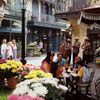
<point>68,49</point>
<point>86,46</point>
<point>76,47</point>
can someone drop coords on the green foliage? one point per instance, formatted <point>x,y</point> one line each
<point>53,93</point>
<point>5,92</point>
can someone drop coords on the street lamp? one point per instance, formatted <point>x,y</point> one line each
<point>23,4</point>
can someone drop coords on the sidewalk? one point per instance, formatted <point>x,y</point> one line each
<point>36,60</point>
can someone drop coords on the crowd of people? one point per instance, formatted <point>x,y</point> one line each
<point>56,67</point>
<point>68,48</point>
<point>8,50</point>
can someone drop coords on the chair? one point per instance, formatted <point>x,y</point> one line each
<point>97,88</point>
<point>87,86</point>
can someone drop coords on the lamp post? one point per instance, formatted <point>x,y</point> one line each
<point>23,3</point>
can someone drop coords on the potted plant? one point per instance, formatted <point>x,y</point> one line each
<point>8,70</point>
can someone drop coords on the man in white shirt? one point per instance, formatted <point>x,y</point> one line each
<point>41,46</point>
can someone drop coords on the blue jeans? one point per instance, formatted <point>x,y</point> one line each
<point>14,54</point>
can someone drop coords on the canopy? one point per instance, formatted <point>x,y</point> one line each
<point>90,15</point>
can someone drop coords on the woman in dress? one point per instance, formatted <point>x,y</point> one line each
<point>9,51</point>
<point>47,61</point>
<point>4,49</point>
<point>14,49</point>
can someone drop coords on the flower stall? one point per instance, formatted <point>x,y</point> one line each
<point>38,84</point>
<point>33,49</point>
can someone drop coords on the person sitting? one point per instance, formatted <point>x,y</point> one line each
<point>61,60</point>
<point>75,66</point>
<point>54,68</point>
<point>83,72</point>
<point>46,62</point>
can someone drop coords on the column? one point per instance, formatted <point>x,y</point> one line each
<point>39,2</point>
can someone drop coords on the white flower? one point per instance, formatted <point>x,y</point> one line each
<point>36,85</point>
<point>22,90</point>
<point>32,93</point>
<point>41,91</point>
<point>64,88</point>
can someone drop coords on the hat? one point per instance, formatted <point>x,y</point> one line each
<point>77,58</point>
<point>69,40</point>
<point>76,38</point>
<point>50,53</point>
<point>86,38</point>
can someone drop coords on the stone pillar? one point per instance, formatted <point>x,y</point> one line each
<point>39,2</point>
<point>79,30</point>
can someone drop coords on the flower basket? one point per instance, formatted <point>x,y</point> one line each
<point>12,82</point>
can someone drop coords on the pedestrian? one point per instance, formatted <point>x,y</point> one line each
<point>86,46</point>
<point>14,49</point>
<point>4,49</point>
<point>76,47</point>
<point>41,46</point>
<point>9,51</point>
<point>62,50</point>
<point>68,49</point>
<point>47,61</point>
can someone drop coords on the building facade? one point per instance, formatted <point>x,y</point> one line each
<point>41,24</point>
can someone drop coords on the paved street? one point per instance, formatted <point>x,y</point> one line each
<point>36,60</point>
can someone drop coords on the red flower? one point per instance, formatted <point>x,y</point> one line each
<point>24,73</point>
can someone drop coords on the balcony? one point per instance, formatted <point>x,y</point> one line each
<point>51,1</point>
<point>47,19</point>
<point>41,18</point>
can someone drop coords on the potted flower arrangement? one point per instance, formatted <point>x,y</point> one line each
<point>47,88</point>
<point>8,70</point>
<point>24,70</point>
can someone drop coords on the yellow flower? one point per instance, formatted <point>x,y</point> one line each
<point>9,62</point>
<point>3,67</point>
<point>27,76</point>
<point>39,72</point>
<point>13,70</point>
<point>8,66</point>
<point>13,66</point>
<point>19,64</point>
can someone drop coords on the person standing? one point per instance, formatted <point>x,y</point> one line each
<point>68,49</point>
<point>9,51</point>
<point>41,46</point>
<point>86,46</point>
<point>14,49</point>
<point>76,47</point>
<point>4,49</point>
<point>62,49</point>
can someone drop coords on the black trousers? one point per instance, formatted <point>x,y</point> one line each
<point>74,56</point>
<point>68,53</point>
<point>86,58</point>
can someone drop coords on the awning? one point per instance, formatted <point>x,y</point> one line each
<point>13,29</point>
<point>90,16</point>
